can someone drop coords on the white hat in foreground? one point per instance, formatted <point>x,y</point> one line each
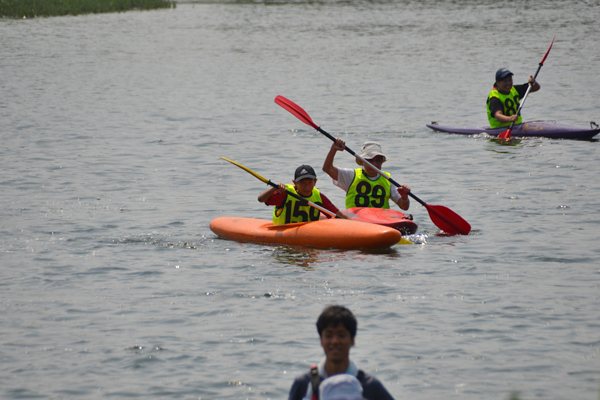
<point>340,387</point>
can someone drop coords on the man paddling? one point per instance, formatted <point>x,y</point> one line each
<point>289,209</point>
<point>337,328</point>
<point>364,187</point>
<point>503,100</point>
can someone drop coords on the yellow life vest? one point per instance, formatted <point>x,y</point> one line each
<point>292,210</point>
<point>364,192</point>
<point>510,104</point>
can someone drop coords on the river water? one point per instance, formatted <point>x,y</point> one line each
<point>113,286</point>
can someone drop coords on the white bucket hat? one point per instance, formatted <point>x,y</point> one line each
<point>370,150</point>
<point>341,387</point>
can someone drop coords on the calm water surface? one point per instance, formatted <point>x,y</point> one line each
<point>113,286</point>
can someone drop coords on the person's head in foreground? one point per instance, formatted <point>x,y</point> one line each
<point>337,328</point>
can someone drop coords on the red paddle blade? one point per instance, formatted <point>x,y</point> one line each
<point>505,135</point>
<point>447,220</point>
<point>296,110</point>
<point>548,52</point>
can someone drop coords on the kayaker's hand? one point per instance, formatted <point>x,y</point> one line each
<point>531,80</point>
<point>535,86</point>
<point>281,188</point>
<point>403,191</point>
<point>343,215</point>
<point>338,145</point>
<point>513,118</point>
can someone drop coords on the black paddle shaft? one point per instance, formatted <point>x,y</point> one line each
<point>528,90</point>
<point>304,202</point>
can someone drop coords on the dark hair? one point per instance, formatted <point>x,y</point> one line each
<point>332,316</point>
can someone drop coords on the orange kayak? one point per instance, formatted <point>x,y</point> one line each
<point>328,233</point>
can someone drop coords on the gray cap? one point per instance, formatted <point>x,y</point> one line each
<point>502,73</point>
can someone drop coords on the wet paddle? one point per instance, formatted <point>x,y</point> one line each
<point>506,134</point>
<point>268,182</point>
<point>444,218</point>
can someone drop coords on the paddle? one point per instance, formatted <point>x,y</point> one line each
<point>444,218</point>
<point>402,240</point>
<point>506,134</point>
<point>268,182</point>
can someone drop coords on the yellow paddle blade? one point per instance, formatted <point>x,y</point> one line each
<point>247,170</point>
<point>404,241</point>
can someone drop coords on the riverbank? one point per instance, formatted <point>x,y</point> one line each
<point>51,8</point>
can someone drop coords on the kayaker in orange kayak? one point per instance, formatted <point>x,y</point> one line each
<point>364,187</point>
<point>289,209</point>
<point>503,100</point>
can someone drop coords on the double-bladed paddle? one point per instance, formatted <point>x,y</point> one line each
<point>268,182</point>
<point>506,134</point>
<point>443,217</point>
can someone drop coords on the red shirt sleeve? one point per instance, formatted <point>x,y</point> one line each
<point>276,199</point>
<point>328,205</point>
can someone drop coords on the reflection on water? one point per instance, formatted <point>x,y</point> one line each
<point>301,258</point>
<point>159,241</point>
<point>506,142</point>
<point>308,258</point>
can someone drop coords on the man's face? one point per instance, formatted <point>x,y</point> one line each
<point>505,85</point>
<point>377,162</point>
<point>305,186</point>
<point>336,342</point>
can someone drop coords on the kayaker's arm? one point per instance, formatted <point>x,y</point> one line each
<point>403,202</point>
<point>503,119</point>
<point>535,86</point>
<point>264,196</point>
<point>328,205</point>
<point>328,166</point>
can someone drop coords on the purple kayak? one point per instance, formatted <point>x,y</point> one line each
<point>547,129</point>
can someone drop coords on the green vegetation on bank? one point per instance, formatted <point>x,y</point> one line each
<point>48,8</point>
